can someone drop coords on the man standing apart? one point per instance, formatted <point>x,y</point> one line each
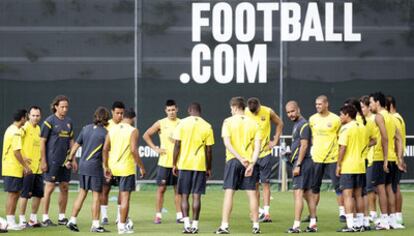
<point>302,168</point>
<point>14,166</point>
<point>192,162</point>
<point>264,116</point>
<point>32,184</point>
<point>241,136</point>
<point>165,177</point>
<point>56,139</point>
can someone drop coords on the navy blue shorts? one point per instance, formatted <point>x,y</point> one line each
<point>319,170</point>
<point>234,176</point>
<point>352,181</point>
<point>32,186</point>
<point>92,183</point>
<point>12,184</point>
<point>378,174</point>
<point>113,181</point>
<point>57,174</point>
<point>393,176</point>
<point>265,168</point>
<point>126,183</point>
<point>304,179</point>
<point>190,181</point>
<point>165,176</point>
<point>369,183</point>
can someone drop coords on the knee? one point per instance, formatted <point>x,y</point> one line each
<point>64,187</point>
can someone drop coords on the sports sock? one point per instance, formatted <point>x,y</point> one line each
<point>195,224</point>
<point>45,217</point>
<point>349,220</point>
<point>22,218</point>
<point>72,220</point>
<point>104,211</point>
<point>360,219</point>
<point>312,222</point>
<point>341,210</point>
<point>33,217</point>
<point>266,210</point>
<point>256,225</point>
<point>158,215</point>
<point>95,223</point>
<point>224,225</point>
<point>179,215</point>
<point>187,222</point>
<point>296,224</point>
<point>11,220</point>
<point>61,216</point>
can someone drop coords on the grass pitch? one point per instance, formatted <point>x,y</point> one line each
<point>142,213</point>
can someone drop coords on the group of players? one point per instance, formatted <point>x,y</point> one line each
<point>342,146</point>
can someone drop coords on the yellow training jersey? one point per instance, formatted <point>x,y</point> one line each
<point>242,131</point>
<point>12,142</point>
<point>194,134</point>
<point>376,152</point>
<point>369,131</point>
<point>111,124</point>
<point>31,146</point>
<point>353,136</point>
<point>263,119</point>
<point>390,127</point>
<point>121,162</point>
<point>167,127</point>
<point>401,126</point>
<point>324,137</point>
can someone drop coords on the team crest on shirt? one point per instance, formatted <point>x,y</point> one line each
<point>263,118</point>
<point>329,125</point>
<point>68,125</point>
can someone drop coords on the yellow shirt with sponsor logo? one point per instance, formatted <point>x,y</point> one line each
<point>194,133</point>
<point>375,152</point>
<point>242,131</point>
<point>31,146</point>
<point>12,141</point>
<point>121,161</point>
<point>401,126</point>
<point>263,119</point>
<point>167,127</point>
<point>369,131</point>
<point>391,129</point>
<point>353,136</point>
<point>324,137</point>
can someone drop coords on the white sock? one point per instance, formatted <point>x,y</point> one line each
<point>104,211</point>
<point>121,226</point>
<point>373,214</point>
<point>118,215</point>
<point>360,219</point>
<point>384,219</point>
<point>195,224</point>
<point>392,219</point>
<point>349,220</point>
<point>224,225</point>
<point>296,224</point>
<point>11,219</point>
<point>256,225</point>
<point>33,217</point>
<point>61,216</point>
<point>22,218</point>
<point>95,223</point>
<point>45,217</point>
<point>179,215</point>
<point>261,211</point>
<point>399,216</point>
<point>266,210</point>
<point>341,210</point>
<point>158,215</point>
<point>366,221</point>
<point>312,222</point>
<point>72,220</point>
<point>187,222</point>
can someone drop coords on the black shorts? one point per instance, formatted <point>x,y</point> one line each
<point>190,181</point>
<point>32,186</point>
<point>378,173</point>
<point>234,176</point>
<point>352,181</point>
<point>393,176</point>
<point>304,179</point>
<point>113,181</point>
<point>265,168</point>
<point>165,176</point>
<point>318,173</point>
<point>126,183</point>
<point>369,183</point>
<point>57,174</point>
<point>12,184</point>
<point>92,183</point>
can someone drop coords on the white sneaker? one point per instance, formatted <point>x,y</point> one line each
<point>397,226</point>
<point>23,224</point>
<point>14,227</point>
<point>381,226</point>
<point>125,231</point>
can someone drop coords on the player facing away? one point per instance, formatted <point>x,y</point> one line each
<point>302,168</point>
<point>192,162</point>
<point>56,139</point>
<point>265,116</point>
<point>241,136</point>
<point>386,176</point>
<point>121,159</point>
<point>325,126</point>
<point>351,167</point>
<point>91,139</point>
<point>402,168</point>
<point>165,128</point>
<point>14,166</point>
<point>117,111</point>
<point>32,184</point>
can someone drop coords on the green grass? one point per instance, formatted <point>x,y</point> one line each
<point>142,212</point>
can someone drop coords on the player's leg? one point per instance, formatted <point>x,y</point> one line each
<point>49,188</point>
<point>126,186</point>
<point>199,182</point>
<point>360,205</point>
<point>77,205</point>
<point>104,202</point>
<point>391,188</point>
<point>63,202</point>
<point>335,183</point>
<point>125,197</point>
<point>254,209</point>
<point>25,195</point>
<point>37,195</point>
<point>159,198</point>
<point>11,205</point>
<point>398,205</point>
<point>265,172</point>
<point>22,211</point>
<point>177,202</point>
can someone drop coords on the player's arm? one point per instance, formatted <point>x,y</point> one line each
<point>176,155</point>
<point>43,163</point>
<point>134,150</point>
<point>209,158</point>
<point>304,143</point>
<point>275,119</point>
<point>71,163</point>
<point>379,120</point>
<point>255,156</point>
<point>342,150</point>
<point>229,146</point>
<point>399,150</point>
<point>105,156</point>
<point>155,128</point>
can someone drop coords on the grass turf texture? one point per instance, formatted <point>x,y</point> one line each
<point>142,213</point>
